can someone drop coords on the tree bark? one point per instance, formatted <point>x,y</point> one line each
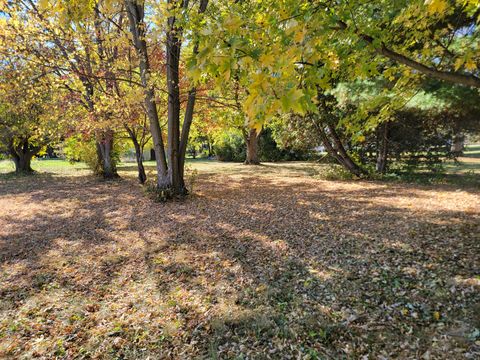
<point>382,151</point>
<point>23,163</point>
<point>188,118</point>
<point>136,15</point>
<point>210,147</point>
<point>343,156</point>
<point>104,143</point>
<point>187,122</point>
<point>142,177</point>
<point>22,155</point>
<point>458,144</point>
<point>169,174</point>
<point>251,140</point>
<point>173,89</point>
<point>330,138</point>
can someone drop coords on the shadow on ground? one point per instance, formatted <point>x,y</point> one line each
<point>267,266</point>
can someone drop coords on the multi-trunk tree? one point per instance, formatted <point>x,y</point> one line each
<point>181,21</point>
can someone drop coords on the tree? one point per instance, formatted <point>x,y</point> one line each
<point>440,45</point>
<point>414,125</point>
<point>25,125</point>
<point>228,102</point>
<point>170,163</point>
<point>84,46</point>
<point>292,49</point>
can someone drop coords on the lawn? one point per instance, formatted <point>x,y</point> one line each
<point>260,262</point>
<point>468,164</point>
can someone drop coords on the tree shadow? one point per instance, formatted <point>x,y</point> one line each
<point>320,268</point>
<point>254,265</point>
<point>58,232</point>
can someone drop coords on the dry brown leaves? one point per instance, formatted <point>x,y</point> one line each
<point>259,263</point>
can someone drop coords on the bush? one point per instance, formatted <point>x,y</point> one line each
<point>268,150</point>
<point>336,172</point>
<point>77,149</point>
<point>230,146</point>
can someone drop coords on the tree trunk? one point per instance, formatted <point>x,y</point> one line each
<point>169,175</point>
<point>336,150</point>
<point>107,166</point>
<point>343,157</point>
<point>382,151</point>
<point>21,155</point>
<point>251,141</point>
<point>23,162</point>
<point>142,177</point>
<point>173,88</point>
<point>187,122</point>
<point>331,140</point>
<point>458,144</point>
<point>136,13</point>
<point>188,117</point>
<point>210,148</point>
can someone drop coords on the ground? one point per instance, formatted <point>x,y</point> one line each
<point>260,262</point>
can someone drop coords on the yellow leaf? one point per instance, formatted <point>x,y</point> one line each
<point>227,74</point>
<point>291,101</point>
<point>195,74</point>
<point>458,63</point>
<point>257,126</point>
<point>436,6</point>
<point>470,65</point>
<point>43,4</point>
<point>299,36</point>
<point>266,60</point>
<point>233,23</point>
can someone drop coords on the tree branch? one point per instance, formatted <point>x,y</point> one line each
<point>450,76</point>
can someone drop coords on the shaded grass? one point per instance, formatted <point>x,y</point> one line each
<point>472,151</point>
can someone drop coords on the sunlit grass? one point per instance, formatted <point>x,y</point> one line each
<point>468,164</point>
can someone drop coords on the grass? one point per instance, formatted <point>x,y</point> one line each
<point>468,164</point>
<point>57,166</point>
<point>262,262</point>
<point>470,160</point>
<point>472,151</point>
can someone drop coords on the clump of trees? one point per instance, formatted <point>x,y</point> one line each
<point>374,83</point>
